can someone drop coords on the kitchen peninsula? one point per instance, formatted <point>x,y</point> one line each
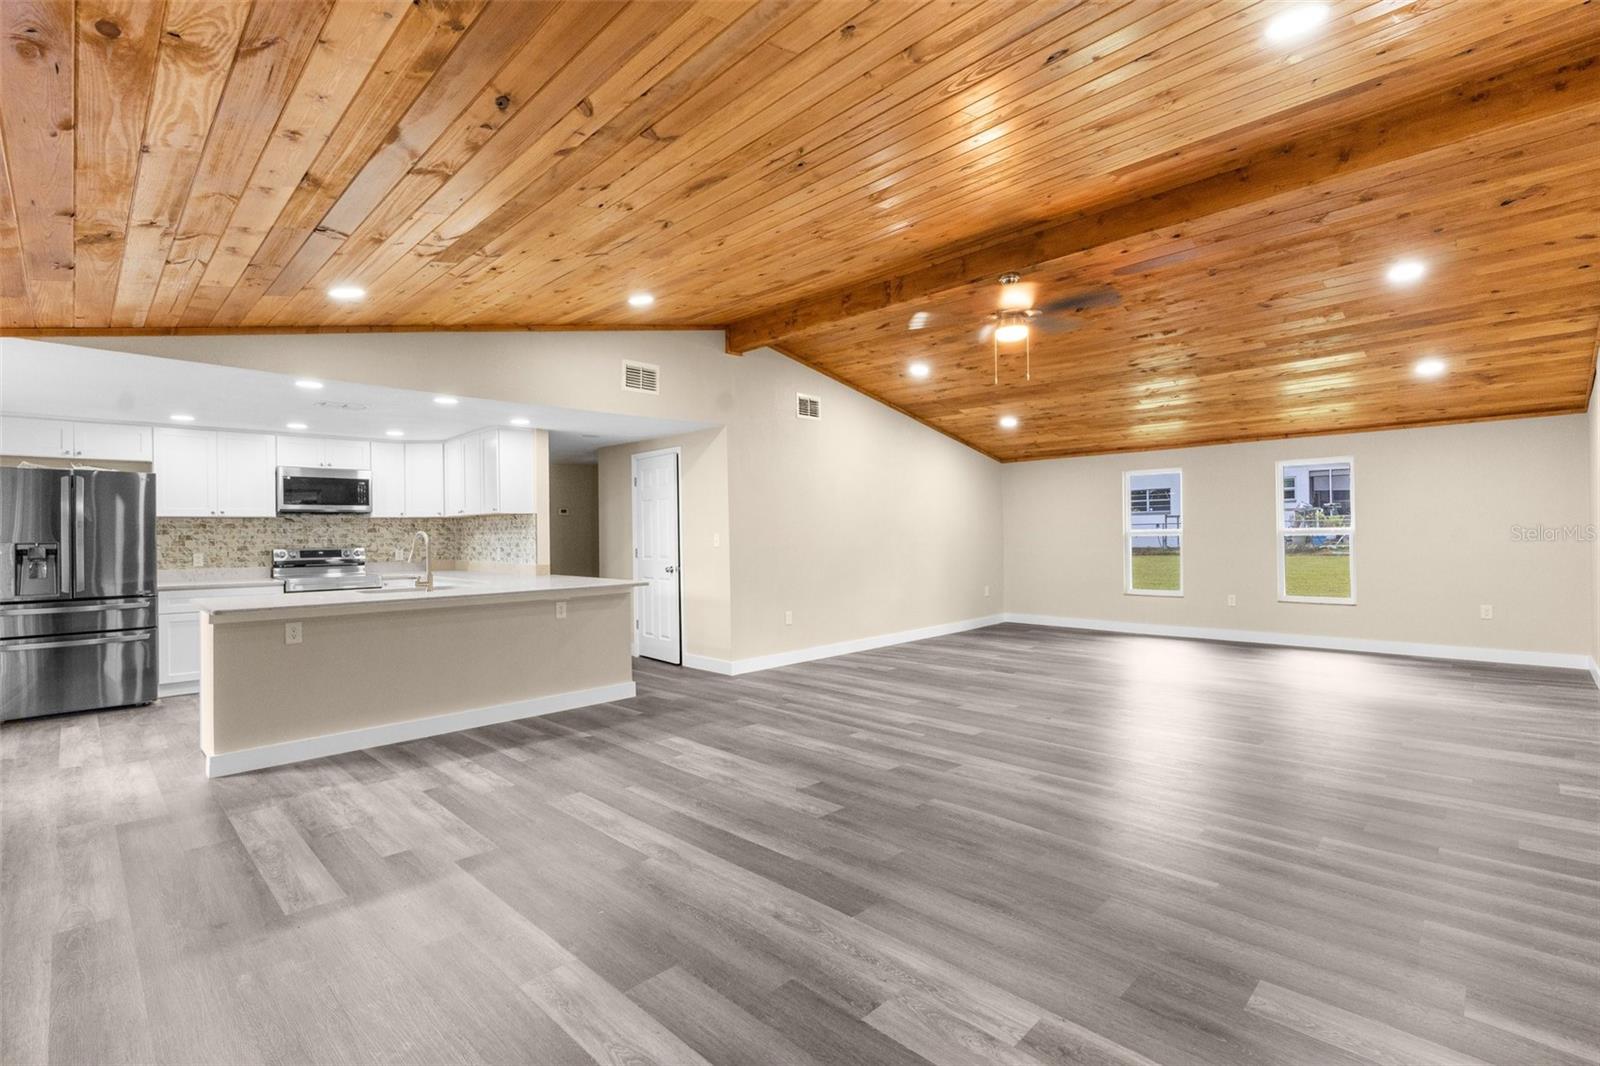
<point>292,676</point>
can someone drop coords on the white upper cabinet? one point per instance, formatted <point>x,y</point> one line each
<point>110,440</point>
<point>348,454</point>
<point>388,480</point>
<point>514,472</point>
<point>35,436</point>
<point>300,451</point>
<point>55,438</point>
<point>186,472</point>
<point>454,455</point>
<point>325,451</point>
<point>246,485</point>
<point>489,472</point>
<point>472,476</point>
<point>424,478</point>
<point>200,473</point>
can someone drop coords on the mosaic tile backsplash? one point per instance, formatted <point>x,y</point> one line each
<point>236,542</point>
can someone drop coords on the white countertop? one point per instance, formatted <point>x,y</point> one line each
<point>216,577</point>
<point>452,588</point>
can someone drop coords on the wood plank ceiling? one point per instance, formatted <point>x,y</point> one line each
<point>814,175</point>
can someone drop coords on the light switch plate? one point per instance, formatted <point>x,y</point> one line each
<point>788,618</point>
<point>561,608</point>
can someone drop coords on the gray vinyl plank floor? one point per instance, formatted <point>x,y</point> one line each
<point>1014,845</point>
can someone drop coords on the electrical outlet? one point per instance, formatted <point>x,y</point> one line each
<point>986,592</point>
<point>561,608</point>
<point>1233,601</point>
<point>788,618</point>
<point>1486,611</point>
<point>199,559</point>
<point>716,540</point>
<point>399,555</point>
<point>291,632</point>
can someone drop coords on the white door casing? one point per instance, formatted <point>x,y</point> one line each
<point>656,561</point>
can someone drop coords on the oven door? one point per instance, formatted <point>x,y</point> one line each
<point>314,490</point>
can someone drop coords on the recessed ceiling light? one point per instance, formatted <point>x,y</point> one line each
<point>1406,271</point>
<point>447,401</point>
<point>1296,23</point>
<point>394,433</point>
<point>181,418</point>
<point>1011,332</point>
<point>521,422</point>
<point>919,370</point>
<point>307,383</point>
<point>347,292</point>
<point>1430,367</point>
<point>1008,422</point>
<point>641,299</point>
<point>294,425</point>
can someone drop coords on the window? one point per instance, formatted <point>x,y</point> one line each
<point>1145,501</point>
<point>1316,531</point>
<point>1152,527</point>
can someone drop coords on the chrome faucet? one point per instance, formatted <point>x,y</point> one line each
<point>424,579</point>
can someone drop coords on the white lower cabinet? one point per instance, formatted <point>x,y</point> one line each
<point>179,635</point>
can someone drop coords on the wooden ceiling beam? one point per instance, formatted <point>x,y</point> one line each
<point>1552,84</point>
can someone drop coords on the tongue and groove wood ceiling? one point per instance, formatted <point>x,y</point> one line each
<point>845,181</point>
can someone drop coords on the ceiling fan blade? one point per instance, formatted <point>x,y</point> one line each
<point>1053,324</point>
<point>985,332</point>
<point>1088,300</point>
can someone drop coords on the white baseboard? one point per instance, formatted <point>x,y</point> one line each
<point>735,667</point>
<point>289,751</point>
<point>177,688</point>
<point>1510,656</point>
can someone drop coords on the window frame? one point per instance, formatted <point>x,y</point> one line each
<point>1129,533</point>
<point>1283,530</point>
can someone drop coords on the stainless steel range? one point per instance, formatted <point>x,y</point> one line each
<point>320,569</point>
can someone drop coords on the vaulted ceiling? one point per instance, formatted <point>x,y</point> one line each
<point>1211,211</point>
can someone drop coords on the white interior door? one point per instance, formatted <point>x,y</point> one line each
<point>657,611</point>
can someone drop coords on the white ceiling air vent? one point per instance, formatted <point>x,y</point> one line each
<point>807,406</point>
<point>640,377</point>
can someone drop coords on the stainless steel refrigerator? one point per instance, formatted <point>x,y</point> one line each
<point>77,590</point>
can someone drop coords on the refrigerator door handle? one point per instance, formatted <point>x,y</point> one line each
<point>112,638</point>
<point>76,608</point>
<point>78,532</point>
<point>65,553</point>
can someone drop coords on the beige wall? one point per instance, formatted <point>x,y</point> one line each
<point>1063,539</point>
<point>863,523</point>
<point>575,534</point>
<point>1594,523</point>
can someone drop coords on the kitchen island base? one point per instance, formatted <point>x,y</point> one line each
<point>381,669</point>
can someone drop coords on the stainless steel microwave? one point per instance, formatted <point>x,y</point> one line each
<point>320,490</point>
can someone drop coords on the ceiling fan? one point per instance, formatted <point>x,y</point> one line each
<point>1016,319</point>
